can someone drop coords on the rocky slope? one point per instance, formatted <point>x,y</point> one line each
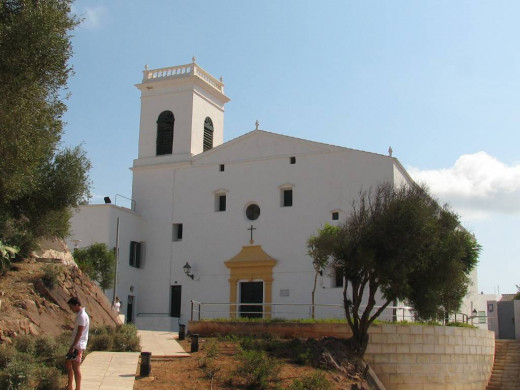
<point>29,306</point>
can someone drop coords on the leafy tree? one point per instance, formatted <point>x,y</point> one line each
<point>319,250</point>
<point>38,183</point>
<point>97,261</point>
<point>400,243</point>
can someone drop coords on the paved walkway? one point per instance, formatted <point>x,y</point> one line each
<point>116,370</point>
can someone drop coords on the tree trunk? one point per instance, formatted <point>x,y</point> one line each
<point>313,293</point>
<point>359,343</point>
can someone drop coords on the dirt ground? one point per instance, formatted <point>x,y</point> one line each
<point>192,372</point>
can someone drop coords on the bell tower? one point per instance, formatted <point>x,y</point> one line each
<point>182,113</point>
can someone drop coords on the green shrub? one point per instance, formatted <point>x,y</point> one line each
<point>48,378</point>
<point>51,275</point>
<point>101,342</point>
<point>25,344</point>
<point>6,254</point>
<point>126,339</point>
<point>7,353</point>
<point>207,365</point>
<point>62,347</point>
<point>64,338</point>
<point>103,329</point>
<point>257,369</point>
<point>211,348</point>
<point>316,381</point>
<point>16,375</point>
<point>248,343</point>
<point>45,347</point>
<point>300,352</point>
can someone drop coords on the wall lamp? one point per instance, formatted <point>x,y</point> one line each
<point>187,269</point>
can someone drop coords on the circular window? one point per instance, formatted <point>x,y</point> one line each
<point>252,212</point>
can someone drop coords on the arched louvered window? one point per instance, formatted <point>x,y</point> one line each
<point>208,134</point>
<point>164,143</point>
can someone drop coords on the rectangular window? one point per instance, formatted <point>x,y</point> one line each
<point>335,216</point>
<point>135,254</point>
<point>175,301</point>
<point>481,317</point>
<point>221,202</point>
<point>177,232</point>
<point>221,167</point>
<point>293,160</point>
<point>287,198</point>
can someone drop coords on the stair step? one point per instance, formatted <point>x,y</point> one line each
<point>506,366</point>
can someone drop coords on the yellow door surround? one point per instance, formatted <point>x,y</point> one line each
<point>251,264</point>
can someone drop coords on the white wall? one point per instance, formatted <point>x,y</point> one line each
<point>321,183</point>
<point>98,224</point>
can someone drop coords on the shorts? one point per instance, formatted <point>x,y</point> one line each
<point>76,355</point>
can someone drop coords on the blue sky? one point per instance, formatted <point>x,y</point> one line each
<point>438,81</point>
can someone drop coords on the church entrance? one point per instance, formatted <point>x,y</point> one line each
<point>251,292</point>
<point>250,281</point>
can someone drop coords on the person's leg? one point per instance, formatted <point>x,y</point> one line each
<point>76,363</point>
<point>70,374</point>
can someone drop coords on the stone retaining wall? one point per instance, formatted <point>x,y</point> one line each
<point>431,357</point>
<point>404,357</point>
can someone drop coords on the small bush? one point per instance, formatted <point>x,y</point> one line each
<point>62,347</point>
<point>51,275</point>
<point>48,378</point>
<point>207,365</point>
<point>24,344</point>
<point>257,369</point>
<point>248,343</point>
<point>7,353</point>
<point>101,342</point>
<point>45,347</point>
<point>103,329</point>
<point>211,348</point>
<point>301,353</point>
<point>316,381</point>
<point>126,339</point>
<point>64,338</point>
<point>16,375</point>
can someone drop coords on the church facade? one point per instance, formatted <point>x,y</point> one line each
<point>224,224</point>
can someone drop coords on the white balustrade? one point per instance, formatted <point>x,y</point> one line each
<point>182,71</point>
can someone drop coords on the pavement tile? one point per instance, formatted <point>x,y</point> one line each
<point>116,370</point>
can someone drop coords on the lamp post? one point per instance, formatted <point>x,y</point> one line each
<point>114,291</point>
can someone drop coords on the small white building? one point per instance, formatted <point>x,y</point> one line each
<point>238,213</point>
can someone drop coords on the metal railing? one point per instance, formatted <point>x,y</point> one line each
<point>209,310</point>
<point>129,200</point>
<point>287,311</point>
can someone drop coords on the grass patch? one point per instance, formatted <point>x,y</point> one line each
<point>277,320</point>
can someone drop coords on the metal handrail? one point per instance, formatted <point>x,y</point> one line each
<point>393,313</point>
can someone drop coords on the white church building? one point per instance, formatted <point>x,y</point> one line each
<point>238,213</point>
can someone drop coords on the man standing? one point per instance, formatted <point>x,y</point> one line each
<point>78,343</point>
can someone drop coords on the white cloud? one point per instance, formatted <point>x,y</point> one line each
<point>93,17</point>
<point>476,186</point>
